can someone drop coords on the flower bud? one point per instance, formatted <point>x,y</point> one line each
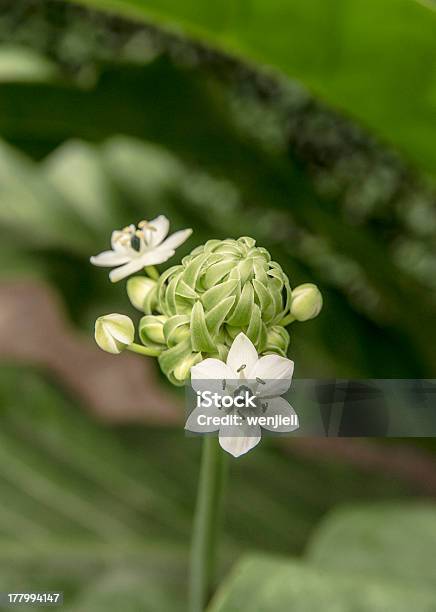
<point>114,332</point>
<point>181,372</point>
<point>138,289</point>
<point>306,302</point>
<point>176,329</point>
<point>222,288</point>
<point>277,340</point>
<point>151,329</point>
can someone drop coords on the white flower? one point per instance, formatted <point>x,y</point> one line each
<point>133,247</point>
<point>267,377</point>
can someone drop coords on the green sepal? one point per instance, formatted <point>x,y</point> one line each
<point>216,294</point>
<point>254,327</point>
<point>217,271</point>
<point>262,340</point>
<point>169,359</point>
<point>176,329</point>
<point>263,296</point>
<point>216,316</point>
<point>200,336</point>
<point>260,272</point>
<point>246,270</point>
<point>185,291</point>
<point>182,370</point>
<point>277,340</point>
<point>247,241</point>
<point>162,286</point>
<point>192,270</point>
<point>150,330</point>
<point>242,312</point>
<point>150,301</point>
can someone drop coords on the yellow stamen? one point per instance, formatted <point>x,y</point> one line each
<point>145,225</point>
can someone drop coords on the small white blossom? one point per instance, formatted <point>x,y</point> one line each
<point>134,248</point>
<point>267,378</point>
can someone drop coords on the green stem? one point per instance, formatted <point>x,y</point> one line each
<point>286,320</point>
<point>206,523</point>
<point>144,350</point>
<point>152,272</point>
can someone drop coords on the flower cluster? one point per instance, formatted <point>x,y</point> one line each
<point>194,310</point>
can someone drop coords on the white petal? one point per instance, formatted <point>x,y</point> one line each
<point>130,268</point>
<point>109,259</point>
<point>193,425</point>
<point>176,239</point>
<point>240,443</point>
<point>242,353</point>
<point>119,327</point>
<point>275,371</point>
<point>280,407</point>
<point>109,341</point>
<point>209,374</point>
<point>161,226</point>
<point>156,256</point>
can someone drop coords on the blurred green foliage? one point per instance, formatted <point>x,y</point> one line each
<point>375,59</point>
<point>105,121</point>
<point>104,513</point>
<point>362,559</point>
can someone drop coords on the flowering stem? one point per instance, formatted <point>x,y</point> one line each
<point>206,523</point>
<point>152,272</point>
<point>144,350</point>
<point>286,320</point>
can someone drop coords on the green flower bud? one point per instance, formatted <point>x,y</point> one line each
<point>151,329</point>
<point>181,371</point>
<point>197,308</point>
<point>220,289</point>
<point>176,329</point>
<point>114,332</point>
<point>306,302</point>
<point>277,340</point>
<point>140,289</point>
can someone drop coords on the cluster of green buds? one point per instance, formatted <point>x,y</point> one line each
<point>195,310</point>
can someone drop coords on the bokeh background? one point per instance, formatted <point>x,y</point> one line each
<point>310,126</point>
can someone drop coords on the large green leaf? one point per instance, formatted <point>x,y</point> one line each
<point>343,50</point>
<point>263,584</point>
<point>395,540</point>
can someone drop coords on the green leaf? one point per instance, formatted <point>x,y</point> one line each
<point>363,68</point>
<point>391,540</point>
<point>261,584</point>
